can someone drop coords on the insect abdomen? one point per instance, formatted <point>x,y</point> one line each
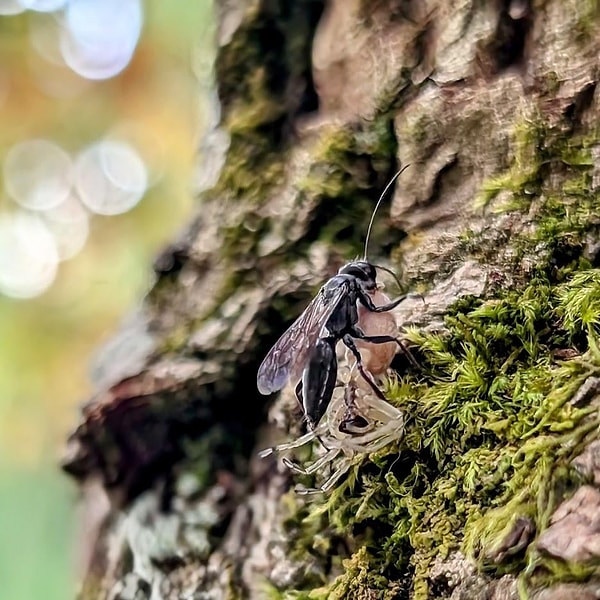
<point>318,380</point>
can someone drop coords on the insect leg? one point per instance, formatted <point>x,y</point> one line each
<point>381,410</point>
<point>360,443</point>
<point>407,353</point>
<point>376,440</point>
<point>349,342</point>
<point>366,301</point>
<point>307,437</point>
<point>314,467</point>
<point>384,339</point>
<point>342,469</point>
<point>297,443</point>
<point>375,339</point>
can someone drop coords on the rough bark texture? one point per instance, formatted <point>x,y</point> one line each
<point>493,489</point>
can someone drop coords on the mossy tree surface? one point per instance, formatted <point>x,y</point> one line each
<point>490,490</point>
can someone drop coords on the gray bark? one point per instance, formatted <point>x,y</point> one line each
<point>495,106</point>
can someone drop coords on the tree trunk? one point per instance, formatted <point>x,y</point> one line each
<point>491,490</point>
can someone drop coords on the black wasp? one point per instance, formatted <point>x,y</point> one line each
<point>306,352</point>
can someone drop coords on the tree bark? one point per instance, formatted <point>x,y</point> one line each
<point>492,489</point>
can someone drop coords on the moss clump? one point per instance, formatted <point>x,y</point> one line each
<point>491,436</point>
<point>241,240</point>
<point>360,581</point>
<point>579,307</point>
<point>256,157</point>
<point>588,12</point>
<point>537,150</point>
<point>350,167</point>
<point>549,186</point>
<point>492,433</point>
<point>265,80</point>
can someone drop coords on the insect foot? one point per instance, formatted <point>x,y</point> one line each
<point>357,422</point>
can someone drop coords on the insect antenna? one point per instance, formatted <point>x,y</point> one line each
<point>387,187</point>
<point>390,272</point>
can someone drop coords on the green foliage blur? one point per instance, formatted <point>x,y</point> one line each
<point>48,342</point>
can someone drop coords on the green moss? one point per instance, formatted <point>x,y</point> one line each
<point>557,571</point>
<point>524,176</point>
<point>579,306</point>
<point>588,14</point>
<point>176,339</point>
<point>549,184</point>
<point>242,239</point>
<point>491,432</point>
<point>426,132</point>
<point>353,153</point>
<point>537,150</point>
<point>350,166</point>
<point>256,159</point>
<point>270,592</point>
<point>360,581</point>
<point>490,437</point>
<point>263,73</point>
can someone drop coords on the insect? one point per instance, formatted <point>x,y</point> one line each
<point>375,424</point>
<point>306,352</point>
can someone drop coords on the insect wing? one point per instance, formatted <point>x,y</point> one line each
<point>288,357</point>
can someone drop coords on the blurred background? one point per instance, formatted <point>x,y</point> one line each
<point>102,104</point>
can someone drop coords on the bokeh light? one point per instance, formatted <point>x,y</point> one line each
<point>110,177</point>
<point>69,223</point>
<point>37,174</point>
<point>28,255</point>
<point>44,36</point>
<point>149,146</point>
<point>87,96</point>
<point>99,38</point>
<point>43,5</point>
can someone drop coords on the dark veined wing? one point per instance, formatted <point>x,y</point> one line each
<point>288,357</point>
